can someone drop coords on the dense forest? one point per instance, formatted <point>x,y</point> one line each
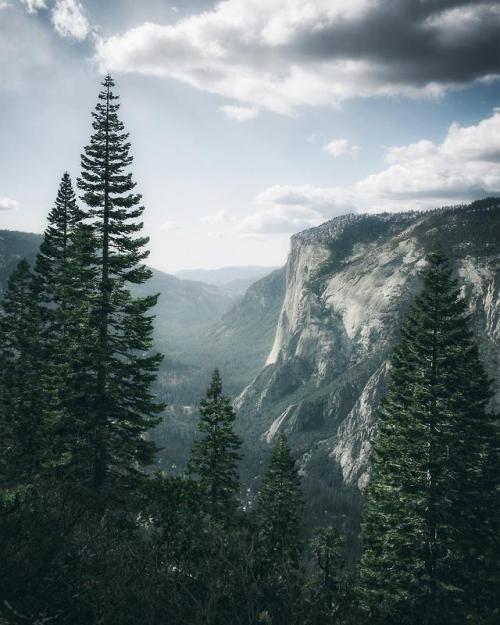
<point>90,534</point>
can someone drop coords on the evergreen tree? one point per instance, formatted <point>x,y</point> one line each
<point>66,269</point>
<point>428,532</point>
<point>123,407</point>
<point>74,344</point>
<point>278,513</point>
<point>328,586</point>
<point>52,257</point>
<point>214,458</point>
<point>25,403</point>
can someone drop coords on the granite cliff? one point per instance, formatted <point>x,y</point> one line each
<point>349,283</point>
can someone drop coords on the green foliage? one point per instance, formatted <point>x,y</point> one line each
<point>122,407</point>
<point>52,258</point>
<point>278,514</point>
<point>428,531</point>
<point>330,588</point>
<point>88,537</point>
<point>214,458</point>
<point>26,406</point>
<point>75,403</point>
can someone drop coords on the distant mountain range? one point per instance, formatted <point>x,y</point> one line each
<point>198,326</point>
<point>305,349</point>
<point>233,280</point>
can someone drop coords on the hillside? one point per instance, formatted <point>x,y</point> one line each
<point>348,285</point>
<point>233,281</point>
<point>306,347</point>
<point>14,246</point>
<point>238,344</point>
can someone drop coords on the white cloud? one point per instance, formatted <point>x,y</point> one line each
<point>69,20</point>
<point>240,113</point>
<point>280,219</point>
<point>8,204</point>
<point>4,4</point>
<point>325,202</point>
<point>217,234</point>
<point>465,166</point>
<point>341,147</point>
<point>221,217</point>
<point>32,6</point>
<point>169,225</point>
<point>287,208</point>
<point>281,55</point>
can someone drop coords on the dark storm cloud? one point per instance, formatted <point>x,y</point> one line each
<point>281,55</point>
<point>414,42</point>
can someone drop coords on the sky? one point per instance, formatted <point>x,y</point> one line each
<point>251,120</point>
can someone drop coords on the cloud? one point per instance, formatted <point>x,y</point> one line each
<point>280,219</point>
<point>341,147</point>
<point>292,208</point>
<point>221,217</point>
<point>465,166</point>
<point>281,56</point>
<point>324,201</point>
<point>217,234</point>
<point>32,6</point>
<point>240,113</point>
<point>169,225</point>
<point>8,204</point>
<point>69,20</point>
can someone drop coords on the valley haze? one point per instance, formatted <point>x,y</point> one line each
<point>250,312</point>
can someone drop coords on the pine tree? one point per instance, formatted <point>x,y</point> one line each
<point>66,270</point>
<point>123,408</point>
<point>52,257</point>
<point>278,514</point>
<point>74,345</point>
<point>428,533</point>
<point>329,587</point>
<point>25,403</point>
<point>214,458</point>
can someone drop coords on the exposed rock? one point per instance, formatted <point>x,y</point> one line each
<point>349,283</point>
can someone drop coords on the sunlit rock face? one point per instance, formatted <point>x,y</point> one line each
<point>349,283</point>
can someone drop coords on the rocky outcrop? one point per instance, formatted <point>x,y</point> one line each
<point>349,283</point>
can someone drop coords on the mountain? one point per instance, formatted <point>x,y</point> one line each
<point>233,280</point>
<point>183,305</point>
<point>14,246</point>
<point>238,344</point>
<point>305,350</point>
<point>349,283</point>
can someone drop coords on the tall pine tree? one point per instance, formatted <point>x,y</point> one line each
<point>25,401</point>
<point>122,407</point>
<point>66,268</point>
<point>214,457</point>
<point>278,514</point>
<point>428,534</point>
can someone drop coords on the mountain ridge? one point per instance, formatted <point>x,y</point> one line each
<point>349,283</point>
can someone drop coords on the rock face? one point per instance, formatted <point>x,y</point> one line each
<point>349,283</point>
